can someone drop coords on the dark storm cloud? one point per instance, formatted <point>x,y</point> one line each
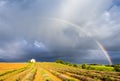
<point>26,30</point>
<point>115,56</point>
<point>73,56</point>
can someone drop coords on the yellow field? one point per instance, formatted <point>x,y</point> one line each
<point>46,71</point>
<point>10,66</point>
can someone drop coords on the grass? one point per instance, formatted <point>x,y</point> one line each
<point>100,68</point>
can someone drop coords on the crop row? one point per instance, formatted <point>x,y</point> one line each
<point>20,76</point>
<point>12,73</point>
<point>30,76</point>
<point>62,76</point>
<point>81,74</point>
<point>45,76</point>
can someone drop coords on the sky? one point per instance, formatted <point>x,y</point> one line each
<point>47,30</point>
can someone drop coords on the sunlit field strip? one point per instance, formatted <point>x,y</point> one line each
<point>19,76</point>
<point>11,73</point>
<point>30,76</point>
<point>38,76</point>
<point>10,66</point>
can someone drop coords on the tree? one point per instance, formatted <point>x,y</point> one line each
<point>60,61</point>
<point>84,66</point>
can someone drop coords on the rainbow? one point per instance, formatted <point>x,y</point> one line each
<point>78,27</point>
<point>105,52</point>
<point>67,22</point>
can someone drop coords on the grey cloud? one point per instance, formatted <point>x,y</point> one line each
<point>26,20</point>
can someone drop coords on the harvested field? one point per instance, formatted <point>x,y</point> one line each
<point>48,71</point>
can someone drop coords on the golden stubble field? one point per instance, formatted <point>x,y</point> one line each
<point>47,71</point>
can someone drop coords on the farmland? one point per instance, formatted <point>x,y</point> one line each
<point>50,71</point>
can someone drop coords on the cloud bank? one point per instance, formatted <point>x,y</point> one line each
<point>28,30</point>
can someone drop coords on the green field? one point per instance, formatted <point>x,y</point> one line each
<point>101,68</point>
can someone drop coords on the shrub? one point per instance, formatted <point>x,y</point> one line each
<point>117,67</point>
<point>75,65</point>
<point>67,63</point>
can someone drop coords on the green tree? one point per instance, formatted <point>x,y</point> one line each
<point>84,66</point>
<point>60,61</point>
